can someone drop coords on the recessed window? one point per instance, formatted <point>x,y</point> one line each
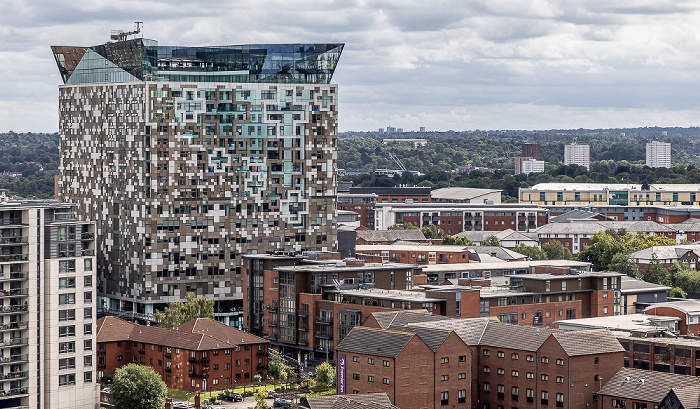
<point>560,361</point>
<point>487,352</point>
<point>487,369</point>
<point>444,378</point>
<point>385,363</point>
<point>355,359</point>
<point>385,381</point>
<point>530,358</point>
<point>370,361</point>
<point>444,360</point>
<point>545,377</point>
<point>514,356</point>
<point>501,371</point>
<point>544,360</point>
<point>501,354</point>
<point>370,378</point>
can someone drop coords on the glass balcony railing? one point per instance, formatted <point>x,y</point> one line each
<point>13,257</point>
<point>13,240</point>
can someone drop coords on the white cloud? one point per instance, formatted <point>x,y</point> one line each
<point>444,64</point>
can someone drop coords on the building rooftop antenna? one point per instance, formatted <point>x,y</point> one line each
<point>119,35</point>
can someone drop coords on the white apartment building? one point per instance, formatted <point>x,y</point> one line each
<point>47,315</point>
<point>575,154</point>
<point>658,154</point>
<point>532,166</point>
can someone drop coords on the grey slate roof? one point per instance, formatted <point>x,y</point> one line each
<point>665,252</point>
<point>500,335</point>
<point>629,285</point>
<point>574,215</point>
<point>577,343</point>
<point>689,396</point>
<point>500,252</point>
<point>404,317</point>
<point>434,337</point>
<point>655,387</point>
<point>365,401</point>
<point>460,193</point>
<point>372,341</point>
<point>390,235</point>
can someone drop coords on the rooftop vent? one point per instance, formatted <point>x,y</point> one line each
<point>625,379</point>
<point>640,382</point>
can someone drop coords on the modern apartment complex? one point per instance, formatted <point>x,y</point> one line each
<point>658,154</point>
<point>603,194</point>
<point>575,154</point>
<point>47,306</point>
<point>193,156</point>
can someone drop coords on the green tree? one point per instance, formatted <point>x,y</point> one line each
<point>260,397</point>
<point>556,251</point>
<point>491,241</point>
<point>688,280</point>
<point>137,387</point>
<point>405,226</point>
<point>180,312</point>
<point>657,274</point>
<point>534,252</point>
<point>277,368</point>
<point>622,263</point>
<point>325,375</point>
<point>677,292</point>
<point>457,240</point>
<point>432,232</point>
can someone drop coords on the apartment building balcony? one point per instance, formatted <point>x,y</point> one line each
<point>14,359</point>
<point>193,360</point>
<point>87,236</point>
<point>13,326</point>
<point>303,313</point>
<point>324,335</point>
<point>303,327</point>
<point>13,309</point>
<point>87,252</point>
<point>7,258</point>
<point>14,376</point>
<point>12,222</point>
<point>324,320</point>
<point>324,349</point>
<point>14,276</point>
<point>13,393</point>
<point>15,292</point>
<point>270,323</point>
<point>269,308</point>
<point>12,241</point>
<point>14,342</point>
<point>303,341</point>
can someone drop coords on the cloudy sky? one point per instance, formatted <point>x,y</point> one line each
<point>442,64</point>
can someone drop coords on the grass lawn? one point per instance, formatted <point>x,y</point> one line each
<point>182,395</point>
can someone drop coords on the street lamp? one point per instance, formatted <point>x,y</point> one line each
<point>188,398</point>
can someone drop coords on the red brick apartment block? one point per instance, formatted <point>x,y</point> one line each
<point>201,354</point>
<point>640,389</point>
<point>510,366</point>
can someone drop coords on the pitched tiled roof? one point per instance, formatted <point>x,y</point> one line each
<point>491,332</point>
<point>434,337</point>
<point>625,384</point>
<point>499,252</point>
<point>576,343</point>
<point>403,317</point>
<point>390,235</point>
<point>366,401</point>
<point>199,334</point>
<point>371,341</point>
<point>500,335</point>
<point>470,330</point>
<point>689,396</point>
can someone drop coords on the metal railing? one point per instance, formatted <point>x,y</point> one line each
<point>13,257</point>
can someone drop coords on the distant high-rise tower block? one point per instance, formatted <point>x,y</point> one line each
<point>575,154</point>
<point>189,157</point>
<point>530,150</point>
<point>659,154</point>
<point>422,129</point>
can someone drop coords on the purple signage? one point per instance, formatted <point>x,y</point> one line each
<point>341,374</point>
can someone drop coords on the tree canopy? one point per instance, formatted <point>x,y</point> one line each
<point>432,232</point>
<point>180,312</point>
<point>556,251</point>
<point>457,240</point>
<point>137,387</point>
<point>491,241</point>
<point>534,252</point>
<point>405,226</point>
<point>606,244</point>
<point>325,375</point>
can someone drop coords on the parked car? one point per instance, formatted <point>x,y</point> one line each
<point>282,403</point>
<point>234,397</point>
<point>271,393</point>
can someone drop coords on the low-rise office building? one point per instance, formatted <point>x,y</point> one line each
<point>455,218</point>
<point>602,194</point>
<point>199,355</point>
